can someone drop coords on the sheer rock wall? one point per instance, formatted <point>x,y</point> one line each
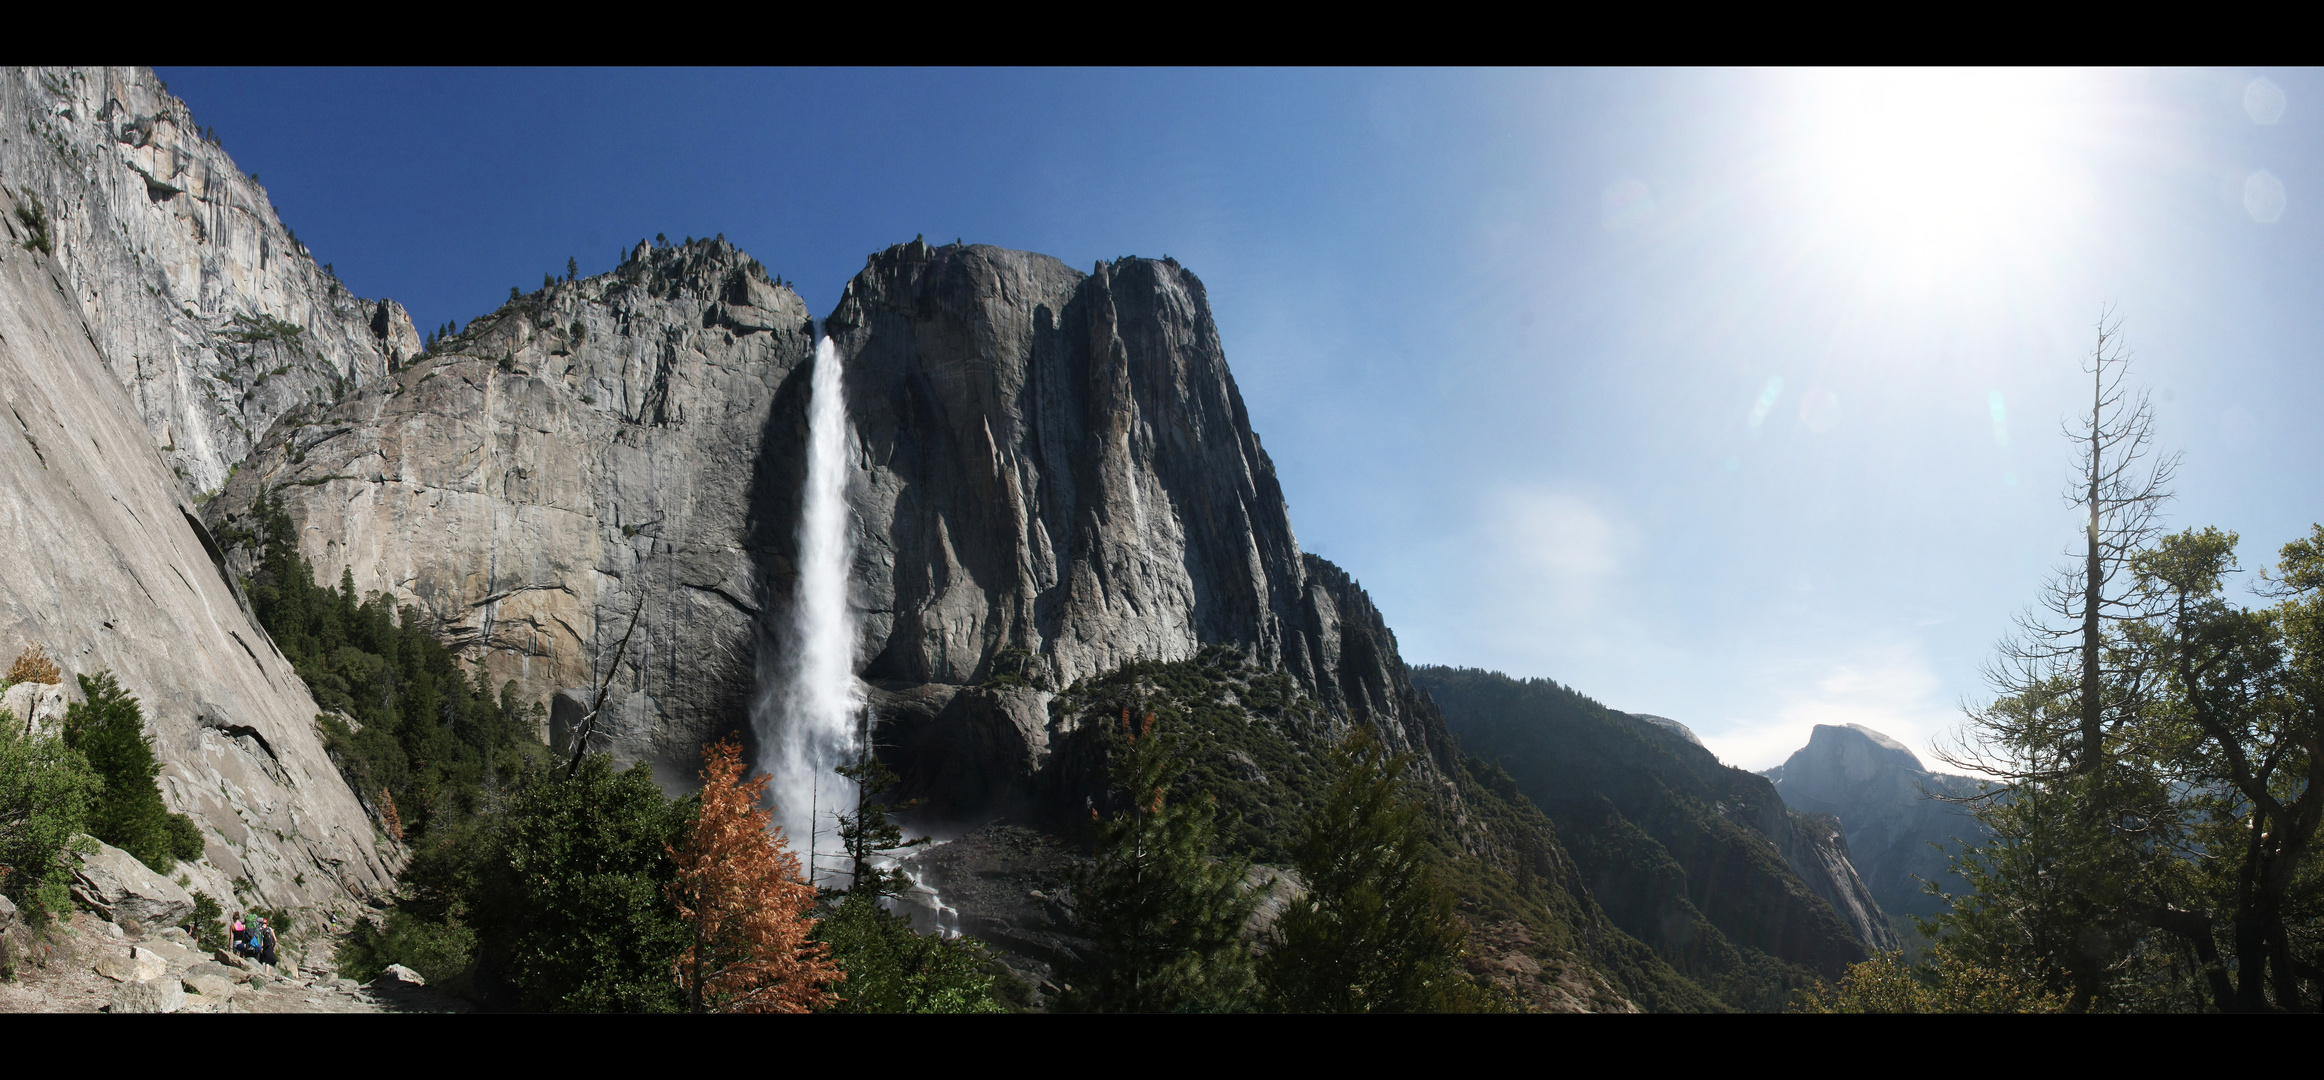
<point>583,456</point>
<point>203,306</point>
<point>103,562</point>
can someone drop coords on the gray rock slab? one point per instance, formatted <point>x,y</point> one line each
<point>111,570</point>
<point>163,995</point>
<point>119,887</point>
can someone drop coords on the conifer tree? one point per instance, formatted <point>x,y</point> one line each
<point>571,903</point>
<point>109,730</point>
<point>867,834</point>
<point>1376,931</point>
<point>745,903</point>
<point>1165,915</point>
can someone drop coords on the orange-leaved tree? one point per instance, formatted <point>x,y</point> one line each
<point>745,904</point>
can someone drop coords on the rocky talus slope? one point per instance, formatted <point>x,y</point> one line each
<point>202,304</point>
<point>104,563</point>
<point>1892,808</point>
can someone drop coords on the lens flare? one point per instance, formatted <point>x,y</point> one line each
<point>1766,402</point>
<point>2263,101</point>
<point>1819,410</point>
<point>2000,413</point>
<point>2263,197</point>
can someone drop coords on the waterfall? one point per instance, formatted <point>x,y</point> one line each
<point>807,711</point>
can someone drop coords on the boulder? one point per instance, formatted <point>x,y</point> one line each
<point>15,939</point>
<point>398,976</point>
<point>213,968</point>
<point>210,986</point>
<point>178,957</point>
<point>136,965</point>
<point>148,996</point>
<point>38,707</point>
<point>119,887</point>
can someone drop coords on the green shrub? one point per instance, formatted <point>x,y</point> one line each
<point>440,951</point>
<point>571,903</point>
<point>186,843</point>
<point>46,792</point>
<point>207,924</point>
<point>35,219</point>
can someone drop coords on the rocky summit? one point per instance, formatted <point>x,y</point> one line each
<point>1895,812</point>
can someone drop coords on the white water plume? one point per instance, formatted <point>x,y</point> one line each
<point>806,714</point>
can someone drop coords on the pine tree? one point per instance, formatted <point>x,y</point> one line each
<point>1376,931</point>
<point>867,834</point>
<point>571,906</point>
<point>745,903</point>
<point>1165,916</point>
<point>109,730</point>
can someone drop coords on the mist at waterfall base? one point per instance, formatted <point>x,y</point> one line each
<point>808,705</point>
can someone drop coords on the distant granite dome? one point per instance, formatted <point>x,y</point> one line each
<point>1882,795</point>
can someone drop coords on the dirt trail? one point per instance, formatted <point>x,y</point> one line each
<point>63,976</point>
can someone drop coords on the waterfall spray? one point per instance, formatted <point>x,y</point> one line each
<point>806,714</point>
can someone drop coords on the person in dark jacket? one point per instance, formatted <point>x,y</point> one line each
<point>265,943</point>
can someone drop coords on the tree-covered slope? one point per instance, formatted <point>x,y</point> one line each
<point>1257,743</point>
<point>1680,851</point>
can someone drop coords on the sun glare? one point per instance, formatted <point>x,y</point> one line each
<point>1935,164</point>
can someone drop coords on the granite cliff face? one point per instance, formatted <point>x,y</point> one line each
<point>1058,466</point>
<point>203,306</point>
<point>107,566</point>
<point>595,453</point>
<point>1882,797</point>
<point>1053,465</point>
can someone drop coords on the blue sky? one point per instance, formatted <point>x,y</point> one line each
<point>1729,396</point>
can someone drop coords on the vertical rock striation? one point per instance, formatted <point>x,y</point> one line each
<point>103,562</point>
<point>1058,468</point>
<point>586,455</point>
<point>1056,462</point>
<point>203,306</point>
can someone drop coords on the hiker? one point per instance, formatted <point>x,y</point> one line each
<point>265,943</point>
<point>241,944</point>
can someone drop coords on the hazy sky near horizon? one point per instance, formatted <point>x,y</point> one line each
<point>1729,396</point>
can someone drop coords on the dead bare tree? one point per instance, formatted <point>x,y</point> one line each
<point>2070,675</point>
<point>588,726</point>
